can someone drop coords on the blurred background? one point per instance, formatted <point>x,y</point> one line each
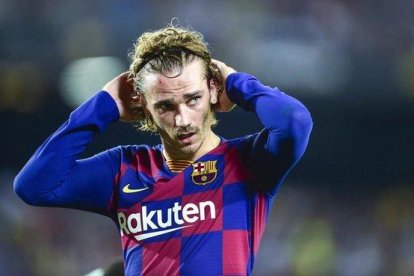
<point>346,209</point>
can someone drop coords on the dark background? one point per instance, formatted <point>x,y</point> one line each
<point>346,209</point>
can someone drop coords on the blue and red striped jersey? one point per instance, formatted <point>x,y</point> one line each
<point>207,219</point>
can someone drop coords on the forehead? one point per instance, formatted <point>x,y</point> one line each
<point>160,86</point>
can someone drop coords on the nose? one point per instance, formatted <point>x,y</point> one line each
<point>182,116</point>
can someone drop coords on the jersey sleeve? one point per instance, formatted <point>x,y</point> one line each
<point>287,124</point>
<point>54,176</point>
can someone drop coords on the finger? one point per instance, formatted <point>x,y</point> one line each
<point>123,75</point>
<point>217,64</point>
<point>214,65</point>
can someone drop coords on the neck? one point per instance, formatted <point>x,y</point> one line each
<point>210,142</point>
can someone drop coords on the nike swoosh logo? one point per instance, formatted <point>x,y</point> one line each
<point>128,190</point>
<point>158,233</point>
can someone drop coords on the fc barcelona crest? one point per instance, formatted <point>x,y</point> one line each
<point>204,172</point>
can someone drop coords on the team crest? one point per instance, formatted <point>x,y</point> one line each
<point>204,172</point>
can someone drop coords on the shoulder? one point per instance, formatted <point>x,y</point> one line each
<point>137,153</point>
<point>133,150</point>
<point>244,143</point>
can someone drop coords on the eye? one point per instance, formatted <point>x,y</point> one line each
<point>194,100</point>
<point>165,107</point>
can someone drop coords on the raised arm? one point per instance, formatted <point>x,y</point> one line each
<point>55,177</point>
<point>287,126</point>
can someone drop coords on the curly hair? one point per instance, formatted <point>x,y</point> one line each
<point>167,51</point>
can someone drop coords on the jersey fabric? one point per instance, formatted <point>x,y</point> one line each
<point>207,219</point>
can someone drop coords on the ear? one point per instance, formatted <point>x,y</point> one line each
<point>137,98</point>
<point>213,92</point>
<point>140,104</point>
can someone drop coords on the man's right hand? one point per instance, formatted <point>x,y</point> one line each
<point>122,91</point>
<point>224,103</point>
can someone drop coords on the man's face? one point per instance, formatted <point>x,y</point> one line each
<point>180,107</point>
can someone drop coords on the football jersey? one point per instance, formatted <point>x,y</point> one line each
<point>205,220</point>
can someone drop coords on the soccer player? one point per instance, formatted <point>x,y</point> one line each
<point>197,203</point>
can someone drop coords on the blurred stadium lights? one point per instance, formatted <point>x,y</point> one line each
<point>301,67</point>
<point>22,86</point>
<point>405,73</point>
<point>82,78</point>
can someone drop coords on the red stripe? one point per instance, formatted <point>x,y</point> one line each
<point>234,169</point>
<point>161,258</point>
<point>235,252</point>
<point>259,223</point>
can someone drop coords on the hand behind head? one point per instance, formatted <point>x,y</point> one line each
<point>127,100</point>
<point>222,71</point>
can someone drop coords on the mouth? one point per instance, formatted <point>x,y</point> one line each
<point>186,138</point>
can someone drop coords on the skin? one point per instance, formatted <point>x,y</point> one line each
<point>180,107</point>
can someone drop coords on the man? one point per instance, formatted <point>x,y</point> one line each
<point>197,203</point>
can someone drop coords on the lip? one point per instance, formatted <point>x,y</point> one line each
<point>186,138</point>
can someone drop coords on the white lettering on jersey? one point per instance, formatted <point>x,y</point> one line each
<point>146,221</point>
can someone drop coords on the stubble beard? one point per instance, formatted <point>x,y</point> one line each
<point>176,149</point>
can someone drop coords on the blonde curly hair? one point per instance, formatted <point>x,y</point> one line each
<point>167,51</point>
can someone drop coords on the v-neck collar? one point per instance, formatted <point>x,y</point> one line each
<point>166,170</point>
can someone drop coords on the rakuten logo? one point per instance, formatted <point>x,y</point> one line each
<point>153,220</point>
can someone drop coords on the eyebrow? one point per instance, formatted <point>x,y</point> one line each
<point>186,96</point>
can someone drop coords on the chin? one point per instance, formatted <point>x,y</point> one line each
<point>190,149</point>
